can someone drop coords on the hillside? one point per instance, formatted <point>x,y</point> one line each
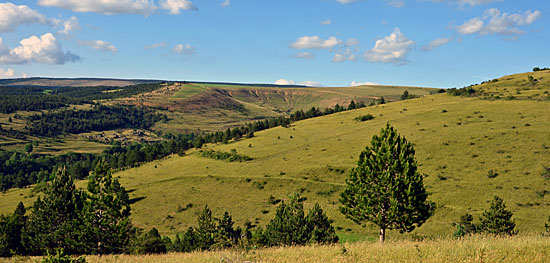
<point>459,140</point>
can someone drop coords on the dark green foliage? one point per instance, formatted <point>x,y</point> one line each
<point>406,95</point>
<point>497,220</point>
<point>28,147</point>
<point>535,69</point>
<point>99,118</point>
<point>385,188</point>
<point>364,117</point>
<point>55,221</point>
<point>149,243</point>
<point>11,228</point>
<point>492,174</point>
<point>465,226</point>
<point>107,213</point>
<point>291,226</point>
<point>547,227</point>
<point>206,230</point>
<point>466,91</point>
<point>232,156</point>
<point>61,257</point>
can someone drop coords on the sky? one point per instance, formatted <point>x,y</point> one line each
<point>429,43</point>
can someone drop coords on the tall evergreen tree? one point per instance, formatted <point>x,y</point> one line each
<point>55,221</point>
<point>107,213</point>
<point>206,230</point>
<point>498,220</point>
<point>10,232</point>
<point>386,188</point>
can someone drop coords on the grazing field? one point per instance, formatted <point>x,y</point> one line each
<point>521,249</point>
<point>459,142</point>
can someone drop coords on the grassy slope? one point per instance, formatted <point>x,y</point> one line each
<point>447,144</point>
<point>472,249</point>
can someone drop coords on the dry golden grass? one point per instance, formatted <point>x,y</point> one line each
<point>472,249</point>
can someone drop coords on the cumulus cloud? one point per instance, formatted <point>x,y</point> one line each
<point>12,16</point>
<point>436,43</point>
<point>495,22</point>
<point>175,6</point>
<point>326,22</point>
<point>112,7</point>
<point>184,49</point>
<point>45,49</point>
<point>347,55</point>
<point>69,26</point>
<point>390,49</point>
<point>355,84</point>
<point>303,83</point>
<point>304,55</point>
<point>315,42</point>
<point>10,73</point>
<point>226,3</point>
<point>352,42</point>
<point>156,45</point>
<point>99,45</point>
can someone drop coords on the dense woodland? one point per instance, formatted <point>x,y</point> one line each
<point>21,169</point>
<point>13,99</point>
<point>99,118</point>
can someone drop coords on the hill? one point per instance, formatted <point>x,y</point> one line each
<point>470,149</point>
<point>72,82</point>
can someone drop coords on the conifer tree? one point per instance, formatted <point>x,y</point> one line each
<point>55,220</point>
<point>386,188</point>
<point>498,220</point>
<point>289,226</point>
<point>206,230</point>
<point>107,213</point>
<point>320,226</point>
<point>10,232</point>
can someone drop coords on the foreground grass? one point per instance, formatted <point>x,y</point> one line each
<point>472,249</point>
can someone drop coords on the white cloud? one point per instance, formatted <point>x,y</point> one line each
<point>495,22</point>
<point>284,82</point>
<point>175,6</point>
<point>184,49</point>
<point>10,73</point>
<point>305,55</point>
<point>326,22</point>
<point>303,83</point>
<point>346,1</point>
<point>436,43</point>
<point>45,49</point>
<point>112,7</point>
<point>156,45</point>
<point>396,3</point>
<point>347,55</point>
<point>315,42</point>
<point>12,16</point>
<point>69,26</point>
<point>467,2</point>
<point>390,49</point>
<point>99,45</point>
<point>226,3</point>
<point>355,84</point>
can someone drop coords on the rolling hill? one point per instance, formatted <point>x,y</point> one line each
<point>470,148</point>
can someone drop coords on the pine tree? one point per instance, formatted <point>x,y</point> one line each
<point>107,213</point>
<point>55,221</point>
<point>289,227</point>
<point>320,226</point>
<point>386,188</point>
<point>206,230</point>
<point>498,220</point>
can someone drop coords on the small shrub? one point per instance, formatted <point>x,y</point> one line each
<point>492,174</point>
<point>545,172</point>
<point>364,117</point>
<point>60,257</point>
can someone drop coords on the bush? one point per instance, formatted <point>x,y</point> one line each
<point>498,220</point>
<point>364,117</point>
<point>60,257</point>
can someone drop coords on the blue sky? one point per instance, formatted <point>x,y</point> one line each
<point>434,43</point>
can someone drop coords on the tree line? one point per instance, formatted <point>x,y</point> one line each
<point>97,221</point>
<point>25,169</point>
<point>99,118</point>
<point>14,99</point>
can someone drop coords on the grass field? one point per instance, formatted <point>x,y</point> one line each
<point>472,249</point>
<point>458,140</point>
